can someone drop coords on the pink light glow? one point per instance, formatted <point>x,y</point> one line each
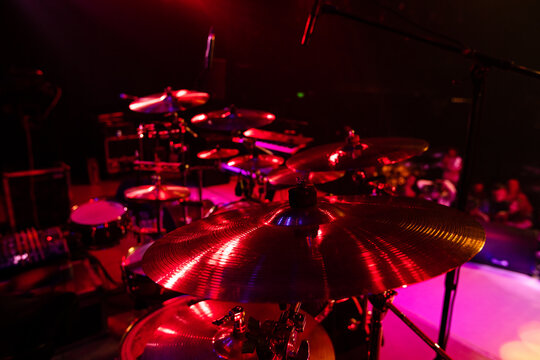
<point>144,103</point>
<point>334,157</point>
<point>167,331</point>
<point>198,118</point>
<point>221,256</point>
<point>181,271</point>
<point>270,116</point>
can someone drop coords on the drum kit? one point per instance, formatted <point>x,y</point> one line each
<point>246,272</point>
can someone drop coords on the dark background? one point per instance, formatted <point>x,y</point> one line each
<point>376,82</point>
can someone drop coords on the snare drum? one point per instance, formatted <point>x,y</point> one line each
<point>101,223</point>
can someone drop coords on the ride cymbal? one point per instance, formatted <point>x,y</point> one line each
<point>169,101</point>
<point>256,163</point>
<point>329,250</point>
<point>217,154</point>
<point>162,193</point>
<point>367,152</point>
<point>233,119</point>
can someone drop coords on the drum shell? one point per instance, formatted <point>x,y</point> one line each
<point>103,235</point>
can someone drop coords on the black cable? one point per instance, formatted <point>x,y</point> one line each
<point>418,26</point>
<point>96,262</point>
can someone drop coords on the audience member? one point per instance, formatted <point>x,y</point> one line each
<point>499,206</point>
<point>520,209</point>
<point>478,202</point>
<point>451,164</point>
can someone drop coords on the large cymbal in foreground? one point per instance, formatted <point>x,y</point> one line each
<point>233,119</point>
<point>369,152</point>
<point>327,251</point>
<point>169,101</point>
<point>183,329</point>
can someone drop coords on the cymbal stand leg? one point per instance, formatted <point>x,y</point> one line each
<point>380,308</point>
<point>158,217</point>
<point>436,347</point>
<point>200,174</point>
<point>361,303</point>
<point>158,205</point>
<point>183,147</point>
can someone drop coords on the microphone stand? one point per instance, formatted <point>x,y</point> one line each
<point>482,63</point>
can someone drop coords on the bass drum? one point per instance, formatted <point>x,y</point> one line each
<point>144,291</point>
<point>101,223</point>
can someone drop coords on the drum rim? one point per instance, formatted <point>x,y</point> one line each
<point>96,200</point>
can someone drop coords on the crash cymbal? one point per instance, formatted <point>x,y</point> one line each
<point>329,250</point>
<point>162,193</point>
<point>255,163</point>
<point>233,119</point>
<point>217,153</point>
<point>367,152</point>
<point>285,177</point>
<point>169,101</point>
<point>183,329</point>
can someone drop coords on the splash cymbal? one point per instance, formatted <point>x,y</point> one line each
<point>331,250</point>
<point>368,152</point>
<point>183,329</point>
<point>285,177</point>
<point>233,119</point>
<point>217,153</point>
<point>169,101</point>
<point>162,193</point>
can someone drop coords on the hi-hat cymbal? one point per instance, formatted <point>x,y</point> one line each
<point>368,152</point>
<point>162,193</point>
<point>255,163</point>
<point>233,119</point>
<point>183,329</point>
<point>169,101</point>
<point>217,153</point>
<point>330,250</point>
<point>285,177</point>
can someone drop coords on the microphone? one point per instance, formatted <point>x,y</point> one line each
<point>209,53</point>
<point>310,23</point>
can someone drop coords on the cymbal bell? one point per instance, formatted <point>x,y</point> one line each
<point>169,101</point>
<point>233,119</point>
<point>366,153</point>
<point>217,153</point>
<point>330,250</point>
<point>285,177</point>
<point>183,329</point>
<point>161,193</point>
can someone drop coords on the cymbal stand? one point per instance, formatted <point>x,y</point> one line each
<point>482,63</point>
<point>381,304</point>
<point>183,151</point>
<point>157,183</point>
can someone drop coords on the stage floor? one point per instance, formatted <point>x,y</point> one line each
<point>496,316</point>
